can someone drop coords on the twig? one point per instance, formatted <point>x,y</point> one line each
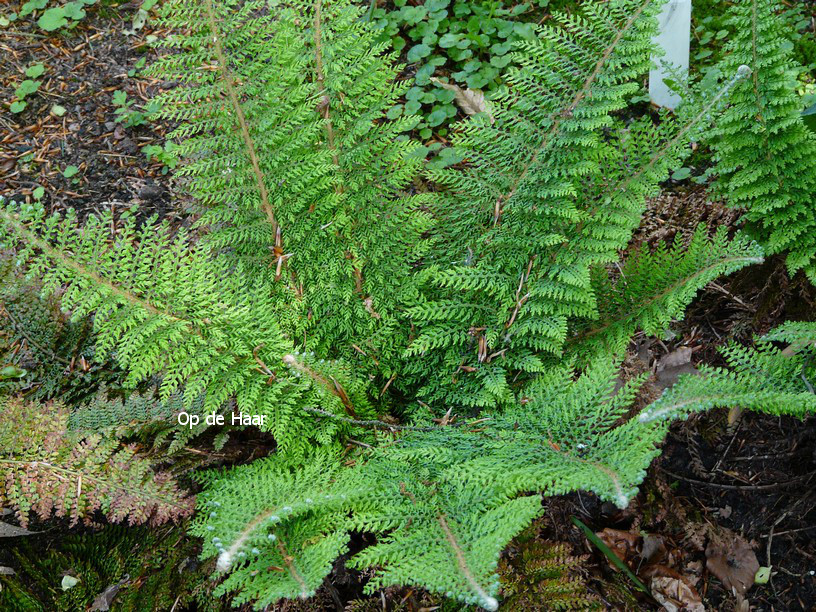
<point>716,485</point>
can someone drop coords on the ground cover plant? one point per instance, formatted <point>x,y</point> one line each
<point>430,355</point>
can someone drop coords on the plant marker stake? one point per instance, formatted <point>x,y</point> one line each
<point>674,23</point>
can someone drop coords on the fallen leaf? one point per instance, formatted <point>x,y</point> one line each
<point>676,594</point>
<point>102,602</point>
<point>624,544</point>
<point>730,558</point>
<point>6,571</point>
<point>471,101</point>
<point>670,367</point>
<point>763,575</point>
<point>69,582</point>
<point>653,548</point>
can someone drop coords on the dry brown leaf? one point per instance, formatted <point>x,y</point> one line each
<point>103,601</point>
<point>624,544</point>
<point>675,359</point>
<point>676,594</point>
<point>730,558</point>
<point>671,366</point>
<point>471,101</point>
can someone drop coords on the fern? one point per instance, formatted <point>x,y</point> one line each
<point>266,90</point>
<point>445,499</point>
<point>651,290</point>
<point>763,150</point>
<point>166,309</point>
<point>765,378</point>
<point>554,186</point>
<point>152,570</point>
<point>541,575</point>
<point>56,354</point>
<point>323,291</point>
<point>48,472</point>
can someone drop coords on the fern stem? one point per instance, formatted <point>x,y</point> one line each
<point>325,108</point>
<point>320,77</point>
<point>487,601</point>
<point>369,423</point>
<point>228,81</point>
<point>332,387</point>
<point>289,560</point>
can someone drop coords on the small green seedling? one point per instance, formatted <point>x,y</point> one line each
<point>26,88</point>
<point>35,71</point>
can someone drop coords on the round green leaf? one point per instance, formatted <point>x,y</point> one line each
<point>34,71</point>
<point>681,174</point>
<point>53,19</point>
<point>417,52</point>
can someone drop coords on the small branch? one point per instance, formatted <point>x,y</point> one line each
<point>370,423</point>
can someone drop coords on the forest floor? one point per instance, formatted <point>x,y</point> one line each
<point>720,492</point>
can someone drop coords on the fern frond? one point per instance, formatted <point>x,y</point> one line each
<point>47,471</point>
<point>444,500</point>
<point>307,82</point>
<point>653,289</point>
<point>762,148</point>
<point>765,379</point>
<point>554,186</point>
<point>165,308</point>
<point>266,532</point>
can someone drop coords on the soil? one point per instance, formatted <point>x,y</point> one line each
<point>83,68</point>
<point>756,478</point>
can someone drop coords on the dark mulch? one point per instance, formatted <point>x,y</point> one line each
<point>84,66</point>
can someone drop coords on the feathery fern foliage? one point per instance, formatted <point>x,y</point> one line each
<point>337,228</point>
<point>765,378</point>
<point>46,471</point>
<point>763,150</point>
<point>446,500</point>
<point>653,289</point>
<point>57,355</point>
<point>539,575</point>
<point>166,308</point>
<point>555,185</point>
<point>316,273</point>
<point>149,570</point>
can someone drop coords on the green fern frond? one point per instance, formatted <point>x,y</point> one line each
<point>446,500</point>
<point>305,82</point>
<point>762,148</point>
<point>554,186</point>
<point>653,289</point>
<point>765,378</point>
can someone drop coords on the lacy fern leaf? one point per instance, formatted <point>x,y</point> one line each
<point>47,471</point>
<point>652,289</point>
<point>763,150</point>
<point>765,378</point>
